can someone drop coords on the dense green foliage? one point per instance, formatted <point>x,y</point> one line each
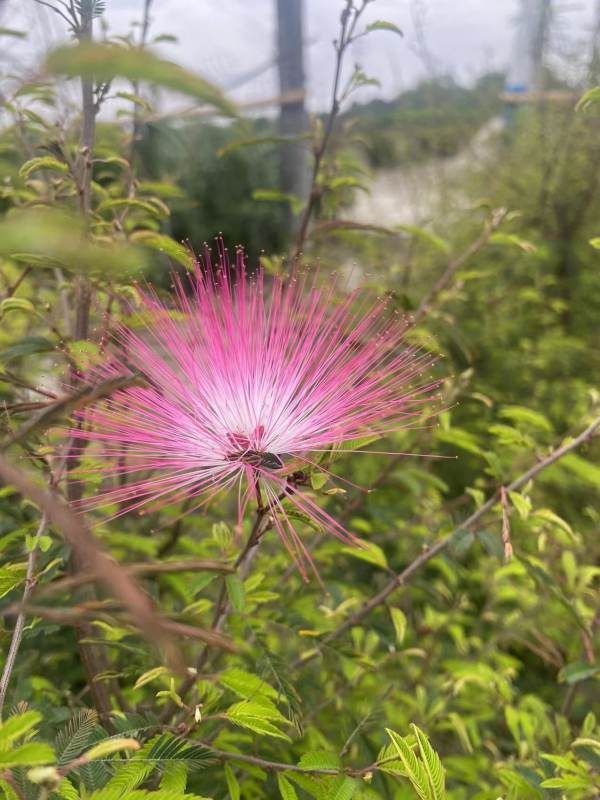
<point>476,675</point>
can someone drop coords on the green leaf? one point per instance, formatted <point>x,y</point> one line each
<point>43,162</point>
<point>578,671</point>
<point>354,444</point>
<point>273,196</point>
<point>399,622</point>
<point>342,788</point>
<point>128,202</point>
<point>16,727</point>
<point>549,516</point>
<point>31,754</point>
<point>75,735</point>
<point>16,304</point>
<point>460,438</point>
<point>414,768</point>
<point>258,717</point>
<point>245,684</point>
<point>318,480</point>
<point>110,746</point>
<point>568,782</point>
<point>527,416</point>
<point>232,783</point>
<point>595,243</point>
<point>48,237</point>
<point>521,503</point>
<point>150,675</point>
<point>164,244</point>
<point>427,237</point>
<point>588,99</point>
<point>174,777</point>
<point>236,592</point>
<point>369,552</point>
<point>105,62</point>
<point>26,346</point>
<point>231,147</point>
<point>582,469</point>
<point>10,577</point>
<point>431,762</point>
<point>383,25</point>
<point>135,99</point>
<point>286,790</point>
<point>515,241</point>
<point>319,759</point>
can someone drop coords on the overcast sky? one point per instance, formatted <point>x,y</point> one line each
<point>224,40</point>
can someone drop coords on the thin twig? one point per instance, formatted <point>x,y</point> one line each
<point>165,567</point>
<point>241,566</point>
<point>496,219</point>
<point>20,623</point>
<point>13,287</point>
<point>348,21</point>
<point>65,405</point>
<point>403,577</point>
<point>277,766</point>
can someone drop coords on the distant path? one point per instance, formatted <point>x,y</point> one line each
<point>413,195</point>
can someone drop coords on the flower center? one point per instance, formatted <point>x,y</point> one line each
<point>247,450</point>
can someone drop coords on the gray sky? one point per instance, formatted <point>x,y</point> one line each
<point>226,39</point>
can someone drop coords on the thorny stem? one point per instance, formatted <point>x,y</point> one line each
<point>20,623</point>
<point>348,20</point>
<point>402,578</point>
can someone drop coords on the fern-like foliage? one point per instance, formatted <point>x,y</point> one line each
<point>423,768</point>
<point>72,740</point>
<point>168,748</point>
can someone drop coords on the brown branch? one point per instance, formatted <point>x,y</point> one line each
<point>495,220</point>
<point>13,287</point>
<point>10,377</point>
<point>402,578</point>
<point>278,766</point>
<point>197,565</point>
<point>66,405</point>
<point>348,20</point>
<point>93,610</point>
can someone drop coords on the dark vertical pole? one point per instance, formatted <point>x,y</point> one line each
<point>292,117</point>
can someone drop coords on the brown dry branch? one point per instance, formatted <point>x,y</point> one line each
<point>53,411</point>
<point>402,578</point>
<point>140,570</point>
<point>100,609</point>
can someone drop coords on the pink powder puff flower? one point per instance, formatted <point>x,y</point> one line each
<point>244,386</point>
